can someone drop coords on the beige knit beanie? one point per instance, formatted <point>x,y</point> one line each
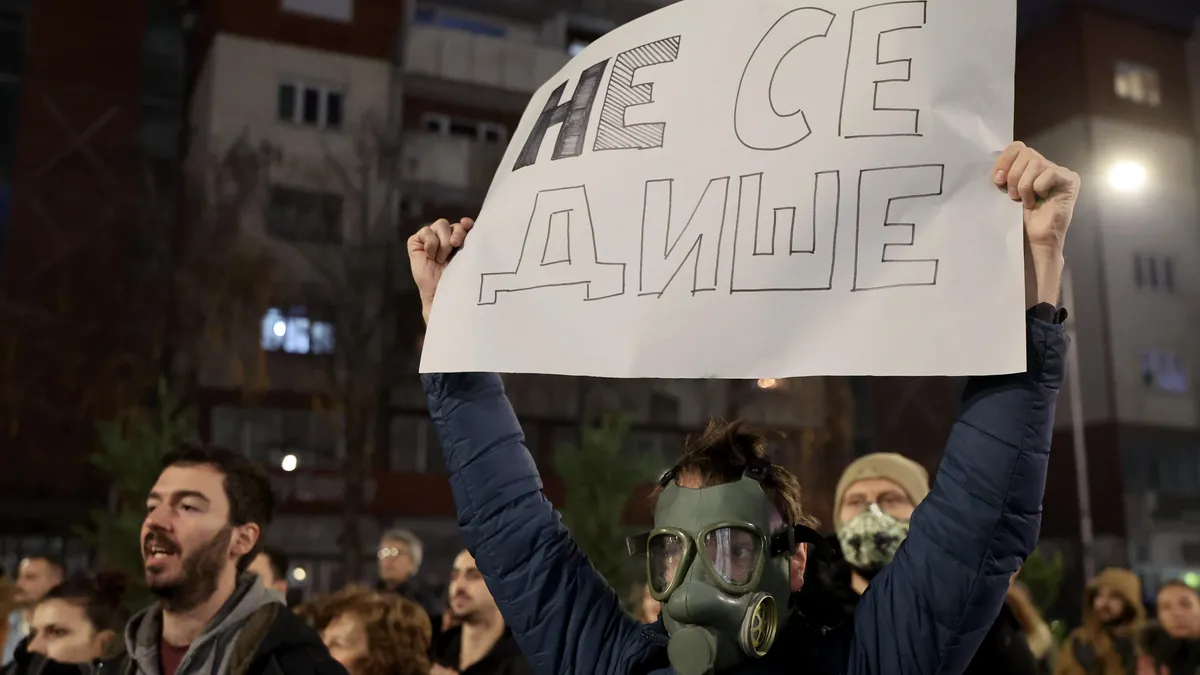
<point>910,476</point>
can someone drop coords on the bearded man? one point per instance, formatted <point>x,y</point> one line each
<point>205,521</point>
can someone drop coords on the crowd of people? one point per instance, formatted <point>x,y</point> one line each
<point>917,576</point>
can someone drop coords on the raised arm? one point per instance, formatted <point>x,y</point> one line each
<point>930,609</point>
<point>564,616</point>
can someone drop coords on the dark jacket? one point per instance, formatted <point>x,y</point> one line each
<point>424,595</point>
<point>270,640</point>
<point>828,599</point>
<point>926,613</point>
<point>25,662</point>
<point>505,658</point>
<point>1179,657</point>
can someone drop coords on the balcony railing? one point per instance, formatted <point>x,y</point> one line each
<point>450,162</point>
<point>449,54</point>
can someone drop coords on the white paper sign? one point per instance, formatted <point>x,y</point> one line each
<point>754,189</point>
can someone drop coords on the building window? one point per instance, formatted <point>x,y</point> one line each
<point>664,409</point>
<point>428,16</point>
<point>333,10</point>
<point>1154,272</point>
<point>12,39</point>
<point>1137,83</point>
<point>1164,371</point>
<point>311,105</point>
<point>268,435</point>
<point>304,215</point>
<point>294,332</point>
<point>476,130</point>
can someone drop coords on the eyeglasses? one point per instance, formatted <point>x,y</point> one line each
<point>390,552</point>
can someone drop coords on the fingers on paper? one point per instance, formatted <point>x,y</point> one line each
<point>439,239</point>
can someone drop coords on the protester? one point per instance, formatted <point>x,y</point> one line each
<point>205,522</point>
<point>7,605</point>
<point>400,554</point>
<point>873,506</point>
<point>81,620</point>
<point>374,633</point>
<point>927,611</point>
<point>36,575</point>
<point>1113,618</point>
<point>480,643</point>
<point>1172,646</point>
<point>271,567</point>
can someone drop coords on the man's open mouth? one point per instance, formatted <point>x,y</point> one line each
<point>158,547</point>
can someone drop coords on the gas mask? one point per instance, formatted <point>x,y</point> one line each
<point>719,571</point>
<point>869,540</point>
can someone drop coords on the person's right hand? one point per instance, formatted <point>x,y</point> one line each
<point>429,251</point>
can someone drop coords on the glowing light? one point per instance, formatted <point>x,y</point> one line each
<point>1192,579</point>
<point>280,328</point>
<point>289,463</point>
<point>299,574</point>
<point>768,383</point>
<point>1127,176</point>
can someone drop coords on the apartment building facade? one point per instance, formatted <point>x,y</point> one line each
<point>1118,108</point>
<point>302,78</point>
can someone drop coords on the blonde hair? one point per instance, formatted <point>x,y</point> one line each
<point>1037,631</point>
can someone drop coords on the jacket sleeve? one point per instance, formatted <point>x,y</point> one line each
<point>564,616</point>
<point>930,609</point>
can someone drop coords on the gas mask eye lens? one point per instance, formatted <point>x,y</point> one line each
<point>734,553</point>
<point>667,551</point>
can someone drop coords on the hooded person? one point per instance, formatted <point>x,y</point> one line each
<point>730,544</point>
<point>205,521</point>
<point>1113,619</point>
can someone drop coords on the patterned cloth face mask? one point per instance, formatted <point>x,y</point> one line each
<point>869,540</point>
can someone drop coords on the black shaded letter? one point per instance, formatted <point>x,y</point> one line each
<point>704,229</point>
<point>758,123</point>
<point>882,196</point>
<point>622,94</point>
<point>572,114</point>
<point>862,116</point>
<point>565,215</point>
<point>784,254</point>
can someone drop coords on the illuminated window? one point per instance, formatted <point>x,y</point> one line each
<point>294,332</point>
<point>1137,83</point>
<point>1164,371</point>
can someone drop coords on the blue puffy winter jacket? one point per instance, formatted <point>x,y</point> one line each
<point>925,614</point>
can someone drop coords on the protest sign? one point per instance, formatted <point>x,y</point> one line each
<point>754,189</point>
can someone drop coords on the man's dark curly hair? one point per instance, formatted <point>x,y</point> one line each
<point>247,487</point>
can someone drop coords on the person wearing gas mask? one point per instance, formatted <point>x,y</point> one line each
<point>727,554</point>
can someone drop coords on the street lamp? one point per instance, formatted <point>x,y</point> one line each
<point>289,463</point>
<point>1127,176</point>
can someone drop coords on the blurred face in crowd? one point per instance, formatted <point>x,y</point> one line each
<point>891,499</point>
<point>396,562</point>
<point>346,639</point>
<point>1179,612</point>
<point>35,578</point>
<point>60,630</point>
<point>266,573</point>
<point>470,599</point>
<point>1108,606</point>
<point>188,542</point>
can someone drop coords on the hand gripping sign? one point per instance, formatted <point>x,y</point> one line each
<point>745,190</point>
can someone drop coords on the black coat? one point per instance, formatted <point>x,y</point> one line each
<point>1179,657</point>
<point>828,599</point>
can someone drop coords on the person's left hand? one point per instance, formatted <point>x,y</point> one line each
<point>1047,193</point>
